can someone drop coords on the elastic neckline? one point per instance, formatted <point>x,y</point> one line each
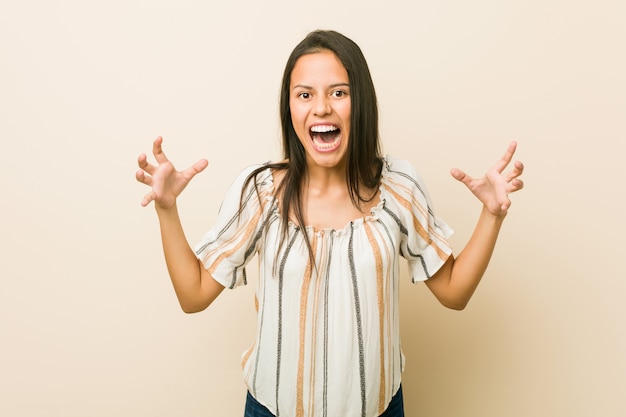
<point>354,223</point>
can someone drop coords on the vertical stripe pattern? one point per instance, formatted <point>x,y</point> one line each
<point>380,294</point>
<point>357,314</point>
<point>327,342</point>
<point>304,298</point>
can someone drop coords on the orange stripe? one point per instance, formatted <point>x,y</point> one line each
<point>418,205</point>
<point>418,226</point>
<point>246,235</point>
<point>236,235</point>
<point>389,291</point>
<point>249,352</point>
<point>318,282</point>
<point>303,304</point>
<point>244,361</point>
<point>381,314</point>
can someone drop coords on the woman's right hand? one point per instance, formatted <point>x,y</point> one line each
<point>166,182</point>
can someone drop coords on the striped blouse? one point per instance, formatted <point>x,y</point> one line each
<point>327,341</point>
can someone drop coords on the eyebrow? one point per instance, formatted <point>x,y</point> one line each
<point>306,87</point>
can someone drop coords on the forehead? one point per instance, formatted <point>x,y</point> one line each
<point>319,66</point>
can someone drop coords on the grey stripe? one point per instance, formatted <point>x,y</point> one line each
<point>417,185</point>
<point>230,222</point>
<point>395,218</point>
<point>391,240</point>
<point>251,250</point>
<point>243,205</point>
<point>405,231</point>
<point>280,313</point>
<point>394,289</point>
<point>327,279</point>
<point>359,325</point>
<point>259,344</point>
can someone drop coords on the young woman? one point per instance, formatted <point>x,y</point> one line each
<point>329,224</point>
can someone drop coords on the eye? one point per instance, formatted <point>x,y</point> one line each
<point>338,94</point>
<point>304,95</point>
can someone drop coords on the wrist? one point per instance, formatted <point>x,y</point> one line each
<point>168,210</point>
<point>489,215</point>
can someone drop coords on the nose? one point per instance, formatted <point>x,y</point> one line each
<point>321,106</point>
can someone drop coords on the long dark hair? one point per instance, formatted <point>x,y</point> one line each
<point>364,160</point>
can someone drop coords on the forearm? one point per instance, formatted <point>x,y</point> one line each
<point>183,266</point>
<point>455,282</point>
<point>470,265</point>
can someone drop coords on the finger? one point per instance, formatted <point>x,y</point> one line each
<point>157,150</point>
<point>200,165</point>
<point>142,161</point>
<point>506,158</point>
<point>518,169</point>
<point>196,168</point>
<point>142,178</point>
<point>148,198</point>
<point>461,176</point>
<point>515,185</point>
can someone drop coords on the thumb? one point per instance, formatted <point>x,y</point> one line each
<point>196,168</point>
<point>199,166</point>
<point>460,176</point>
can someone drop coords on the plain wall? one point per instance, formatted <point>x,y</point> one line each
<point>89,323</point>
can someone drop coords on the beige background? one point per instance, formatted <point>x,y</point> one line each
<point>89,324</point>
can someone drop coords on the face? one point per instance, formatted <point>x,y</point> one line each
<point>320,108</point>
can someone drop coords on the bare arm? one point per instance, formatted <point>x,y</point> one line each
<point>194,286</point>
<point>455,282</point>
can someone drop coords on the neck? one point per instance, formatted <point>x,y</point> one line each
<point>322,177</point>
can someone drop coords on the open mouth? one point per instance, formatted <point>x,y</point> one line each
<point>325,137</point>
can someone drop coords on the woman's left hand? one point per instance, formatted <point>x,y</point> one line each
<point>494,188</point>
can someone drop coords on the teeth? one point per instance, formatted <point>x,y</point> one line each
<point>326,145</point>
<point>323,128</point>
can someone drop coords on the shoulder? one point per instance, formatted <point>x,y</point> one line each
<point>399,169</point>
<point>401,177</point>
<point>254,169</point>
<point>264,179</point>
<point>258,174</point>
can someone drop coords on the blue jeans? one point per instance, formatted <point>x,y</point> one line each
<point>255,409</point>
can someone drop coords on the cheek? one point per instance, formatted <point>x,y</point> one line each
<point>298,125</point>
<point>296,114</point>
<point>344,110</point>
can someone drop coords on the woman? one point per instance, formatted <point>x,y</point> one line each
<point>329,224</point>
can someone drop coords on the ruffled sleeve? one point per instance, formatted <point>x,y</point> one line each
<point>232,242</point>
<point>424,236</point>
